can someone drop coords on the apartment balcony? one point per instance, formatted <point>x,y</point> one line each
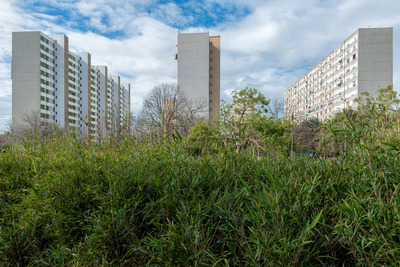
<point>339,72</point>
<point>76,104</point>
<point>75,97</point>
<point>339,54</point>
<point>48,54</point>
<point>329,98</point>
<point>75,83</point>
<point>49,96</point>
<point>352,90</point>
<point>48,70</point>
<point>50,47</point>
<point>329,83</point>
<point>73,111</point>
<point>73,125</point>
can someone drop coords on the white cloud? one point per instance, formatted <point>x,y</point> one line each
<point>269,49</point>
<point>11,19</point>
<point>144,60</point>
<point>280,40</point>
<point>171,14</point>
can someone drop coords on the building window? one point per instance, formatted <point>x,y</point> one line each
<point>354,56</point>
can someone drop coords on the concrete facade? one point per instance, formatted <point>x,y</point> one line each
<point>362,63</point>
<point>215,76</point>
<point>125,122</point>
<point>63,87</point>
<point>199,70</point>
<point>26,93</point>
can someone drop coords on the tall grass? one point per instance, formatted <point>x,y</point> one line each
<point>65,202</point>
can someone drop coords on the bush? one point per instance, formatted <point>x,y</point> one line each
<point>63,202</point>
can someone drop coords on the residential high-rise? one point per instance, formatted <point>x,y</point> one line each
<point>64,88</point>
<point>362,63</point>
<point>199,70</point>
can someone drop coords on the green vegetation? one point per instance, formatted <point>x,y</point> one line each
<point>180,201</point>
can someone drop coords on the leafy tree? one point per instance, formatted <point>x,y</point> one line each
<point>239,119</point>
<point>276,134</point>
<point>374,125</point>
<point>246,123</point>
<point>332,138</point>
<point>203,138</point>
<point>306,134</point>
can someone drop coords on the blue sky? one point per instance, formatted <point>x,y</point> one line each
<point>177,14</point>
<point>266,44</point>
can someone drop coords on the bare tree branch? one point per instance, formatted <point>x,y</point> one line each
<point>167,108</point>
<point>276,107</point>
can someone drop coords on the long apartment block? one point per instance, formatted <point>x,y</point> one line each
<point>199,70</point>
<point>64,88</point>
<point>362,63</point>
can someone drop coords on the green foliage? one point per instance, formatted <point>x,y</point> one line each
<point>307,135</point>
<point>122,203</point>
<point>386,100</point>
<point>203,138</point>
<point>276,134</point>
<point>246,124</point>
<point>375,124</point>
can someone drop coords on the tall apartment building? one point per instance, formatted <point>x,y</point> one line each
<point>199,70</point>
<point>362,63</point>
<point>64,88</point>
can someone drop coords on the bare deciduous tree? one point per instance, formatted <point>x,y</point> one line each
<point>189,112</point>
<point>167,108</point>
<point>32,122</point>
<point>276,107</point>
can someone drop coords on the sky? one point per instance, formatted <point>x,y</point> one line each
<point>265,44</point>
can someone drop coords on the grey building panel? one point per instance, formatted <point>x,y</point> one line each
<point>103,74</point>
<point>85,88</point>
<point>375,59</point>
<point>60,46</point>
<point>25,75</point>
<point>193,66</point>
